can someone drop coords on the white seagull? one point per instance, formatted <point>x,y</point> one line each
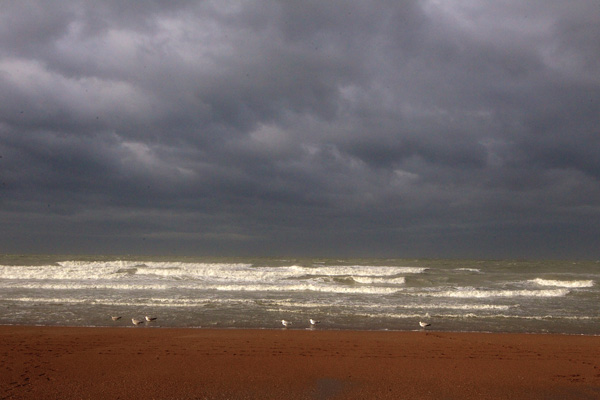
<point>424,324</point>
<point>115,318</point>
<point>150,319</point>
<point>137,321</point>
<point>314,322</point>
<point>285,323</point>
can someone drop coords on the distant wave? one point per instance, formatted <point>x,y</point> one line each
<point>441,316</point>
<point>465,293</point>
<point>204,301</point>
<point>565,284</point>
<point>370,279</point>
<point>379,307</point>
<point>237,272</point>
<point>256,287</point>
<point>468,269</point>
<point>518,317</point>
<point>356,270</point>
<point>344,294</point>
<point>154,302</point>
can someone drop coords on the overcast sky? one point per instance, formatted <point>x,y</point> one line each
<point>436,128</point>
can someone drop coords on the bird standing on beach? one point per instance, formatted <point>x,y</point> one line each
<point>116,317</point>
<point>424,324</point>
<point>314,322</point>
<point>150,319</point>
<point>136,321</point>
<point>285,323</point>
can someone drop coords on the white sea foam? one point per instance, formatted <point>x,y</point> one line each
<point>379,307</point>
<point>55,272</point>
<point>250,287</point>
<point>241,272</point>
<point>465,293</point>
<point>67,300</point>
<point>356,270</point>
<point>369,279</point>
<point>300,308</point>
<point>79,285</point>
<point>519,317</point>
<point>246,293</point>
<point>457,306</point>
<point>437,316</point>
<point>98,264</point>
<point>305,287</point>
<point>468,269</point>
<point>565,284</point>
<point>388,315</point>
<point>153,302</point>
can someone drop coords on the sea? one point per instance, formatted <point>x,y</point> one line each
<point>342,293</point>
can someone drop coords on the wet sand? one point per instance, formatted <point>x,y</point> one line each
<point>156,363</point>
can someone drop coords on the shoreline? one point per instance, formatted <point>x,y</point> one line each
<point>234,363</point>
<point>295,329</point>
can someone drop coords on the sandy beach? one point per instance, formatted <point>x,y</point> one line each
<point>160,363</point>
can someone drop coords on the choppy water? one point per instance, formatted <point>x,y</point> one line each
<point>375,294</point>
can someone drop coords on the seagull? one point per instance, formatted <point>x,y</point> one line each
<point>424,324</point>
<point>116,318</point>
<point>150,319</point>
<point>137,321</point>
<point>314,322</point>
<point>285,323</point>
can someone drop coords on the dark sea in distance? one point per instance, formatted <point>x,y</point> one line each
<point>358,294</point>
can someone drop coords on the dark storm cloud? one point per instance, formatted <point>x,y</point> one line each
<point>362,128</point>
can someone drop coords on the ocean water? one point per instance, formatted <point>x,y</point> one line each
<point>359,294</point>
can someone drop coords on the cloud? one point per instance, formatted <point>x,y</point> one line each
<point>424,128</point>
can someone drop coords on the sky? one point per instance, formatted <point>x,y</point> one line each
<point>435,128</point>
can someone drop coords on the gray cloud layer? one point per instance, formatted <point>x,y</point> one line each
<point>419,128</point>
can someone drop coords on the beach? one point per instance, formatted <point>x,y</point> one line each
<point>41,362</point>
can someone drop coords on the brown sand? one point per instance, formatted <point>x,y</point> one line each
<point>156,363</point>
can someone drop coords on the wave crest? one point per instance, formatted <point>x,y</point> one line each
<point>565,284</point>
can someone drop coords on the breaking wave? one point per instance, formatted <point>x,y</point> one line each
<point>565,284</point>
<point>465,293</point>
